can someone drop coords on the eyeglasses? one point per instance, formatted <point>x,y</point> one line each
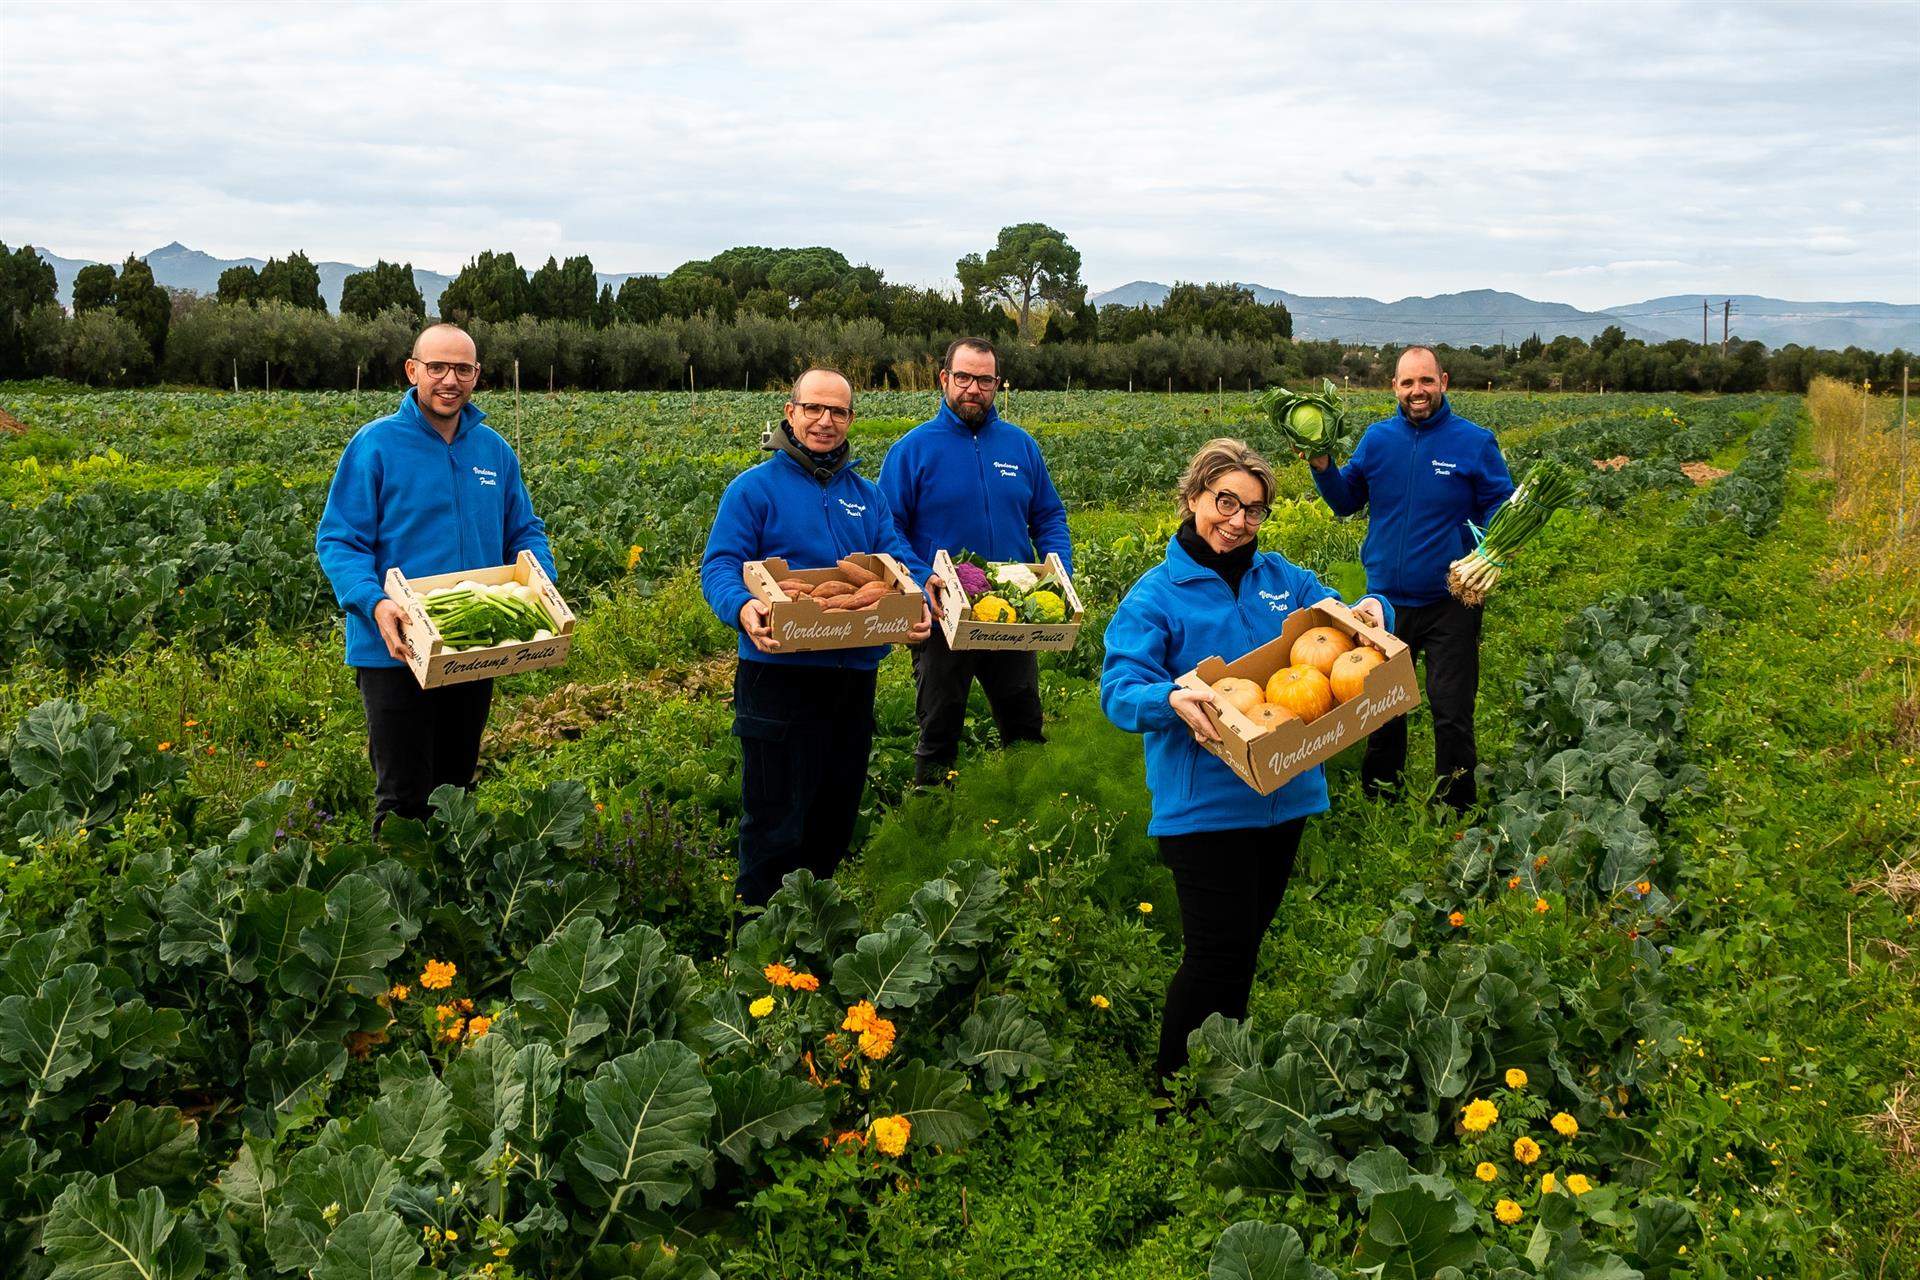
<point>833,412</point>
<point>440,368</point>
<point>984,381</point>
<point>1228,503</point>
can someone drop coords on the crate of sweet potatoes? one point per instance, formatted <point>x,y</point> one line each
<point>863,600</point>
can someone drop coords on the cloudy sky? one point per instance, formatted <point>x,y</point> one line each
<point>1589,153</point>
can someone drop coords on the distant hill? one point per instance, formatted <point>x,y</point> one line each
<point>178,267</point>
<point>1487,316</point>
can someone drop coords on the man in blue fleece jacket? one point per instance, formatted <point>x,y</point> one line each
<point>428,489</point>
<point>1424,473</point>
<point>804,720</point>
<point>967,479</point>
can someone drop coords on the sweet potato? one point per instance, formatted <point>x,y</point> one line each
<point>832,587</point>
<point>868,596</point>
<point>841,601</point>
<point>795,587</point>
<point>858,574</point>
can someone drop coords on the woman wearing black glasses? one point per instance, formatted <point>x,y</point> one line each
<point>1230,848</point>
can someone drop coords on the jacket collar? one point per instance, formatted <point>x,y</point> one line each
<point>471,415</point>
<point>782,458</point>
<point>947,417</point>
<point>1440,418</point>
<point>1185,570</point>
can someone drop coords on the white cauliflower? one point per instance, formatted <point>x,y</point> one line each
<point>1017,576</point>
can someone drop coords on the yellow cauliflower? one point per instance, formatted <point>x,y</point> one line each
<point>992,609</point>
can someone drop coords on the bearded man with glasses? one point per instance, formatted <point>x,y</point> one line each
<point>804,720</point>
<point>968,480</point>
<point>427,489</point>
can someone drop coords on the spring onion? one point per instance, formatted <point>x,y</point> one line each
<point>472,615</point>
<point>1547,488</point>
<point>1310,421</point>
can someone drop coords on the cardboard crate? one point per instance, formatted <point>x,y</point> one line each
<point>802,626</point>
<point>1266,761</point>
<point>433,664</point>
<point>963,632</point>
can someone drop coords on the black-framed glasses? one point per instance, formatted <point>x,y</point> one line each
<point>984,381</point>
<point>461,370</point>
<point>1228,503</point>
<point>837,413</point>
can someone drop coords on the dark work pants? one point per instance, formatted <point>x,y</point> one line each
<point>1448,633</point>
<point>943,680</point>
<point>806,735</point>
<point>419,739</point>
<point>1230,884</point>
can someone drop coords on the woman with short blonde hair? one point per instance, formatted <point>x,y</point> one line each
<point>1230,848</point>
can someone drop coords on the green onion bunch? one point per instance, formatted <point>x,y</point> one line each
<point>472,615</point>
<point>1547,488</point>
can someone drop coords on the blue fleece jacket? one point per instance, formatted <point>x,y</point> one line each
<point>403,497</point>
<point>774,508</point>
<point>1424,482</point>
<point>1178,613</point>
<point>984,491</point>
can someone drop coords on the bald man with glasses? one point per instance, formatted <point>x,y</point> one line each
<point>427,489</point>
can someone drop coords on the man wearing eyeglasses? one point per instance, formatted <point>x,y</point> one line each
<point>967,479</point>
<point>1426,475</point>
<point>804,720</point>
<point>428,489</point>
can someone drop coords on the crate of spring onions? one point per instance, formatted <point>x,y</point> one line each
<point>1547,488</point>
<point>480,623</point>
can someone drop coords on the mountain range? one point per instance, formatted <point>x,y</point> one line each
<point>1487,316</point>
<point>1476,317</point>
<point>178,267</point>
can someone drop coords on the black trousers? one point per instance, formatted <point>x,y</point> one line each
<point>806,736</point>
<point>1230,884</point>
<point>419,739</point>
<point>1448,633</point>
<point>943,680</point>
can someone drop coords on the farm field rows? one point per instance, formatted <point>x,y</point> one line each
<point>226,1043</point>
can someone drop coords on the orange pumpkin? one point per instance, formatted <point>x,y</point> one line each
<point>1349,674</point>
<point>1268,716</point>
<point>1302,690</point>
<point>1319,648</point>
<point>1243,694</point>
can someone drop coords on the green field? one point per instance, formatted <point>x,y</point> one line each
<point>1687,917</point>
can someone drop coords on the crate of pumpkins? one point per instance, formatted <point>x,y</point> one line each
<point>1327,681</point>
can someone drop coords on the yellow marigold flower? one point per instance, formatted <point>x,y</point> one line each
<point>762,1007</point>
<point>1526,1150</point>
<point>1100,1002</point>
<point>1479,1116</point>
<point>1146,908</point>
<point>1547,1184</point>
<point>804,982</point>
<point>1516,1078</point>
<point>860,1017</point>
<point>1486,1171</point>
<point>1457,918</point>
<point>398,991</point>
<point>1578,1184</point>
<point>876,1041</point>
<point>450,1234</point>
<point>438,975</point>
<point>1542,905</point>
<point>890,1134</point>
<point>1565,1125</point>
<point>478,1025</point>
<point>1507,1211</point>
<point>778,974</point>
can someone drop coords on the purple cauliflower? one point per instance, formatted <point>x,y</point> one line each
<point>973,579</point>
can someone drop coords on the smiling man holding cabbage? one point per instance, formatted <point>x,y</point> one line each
<point>429,489</point>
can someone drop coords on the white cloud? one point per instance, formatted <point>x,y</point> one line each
<point>1317,148</point>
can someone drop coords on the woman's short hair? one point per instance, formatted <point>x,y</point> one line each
<point>1219,457</point>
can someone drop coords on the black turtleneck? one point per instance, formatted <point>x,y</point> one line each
<point>1230,565</point>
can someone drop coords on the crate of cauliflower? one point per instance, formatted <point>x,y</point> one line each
<point>478,623</point>
<point>1006,606</point>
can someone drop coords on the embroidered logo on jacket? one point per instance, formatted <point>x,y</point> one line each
<point>1278,601</point>
<point>1011,470</point>
<point>1441,468</point>
<point>486,476</point>
<point>854,509</point>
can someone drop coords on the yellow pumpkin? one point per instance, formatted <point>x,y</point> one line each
<point>1319,648</point>
<point>1244,695</point>
<point>1349,674</point>
<point>1302,690</point>
<point>1269,716</point>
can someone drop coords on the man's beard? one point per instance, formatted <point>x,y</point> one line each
<point>968,410</point>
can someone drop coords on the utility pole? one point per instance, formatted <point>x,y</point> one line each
<point>516,404</point>
<point>1900,520</point>
<point>1703,324</point>
<point>1726,323</point>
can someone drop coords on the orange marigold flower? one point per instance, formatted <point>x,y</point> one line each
<point>778,974</point>
<point>804,982</point>
<point>1457,918</point>
<point>438,975</point>
<point>850,1135</point>
<point>259,764</point>
<point>1542,906</point>
<point>454,1031</point>
<point>1540,863</point>
<point>876,1041</point>
<point>192,723</point>
<point>444,1012</point>
<point>860,1017</point>
<point>398,991</point>
<point>1644,887</point>
<point>463,1005</point>
<point>478,1025</point>
<point>164,746</point>
<point>1513,882</point>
